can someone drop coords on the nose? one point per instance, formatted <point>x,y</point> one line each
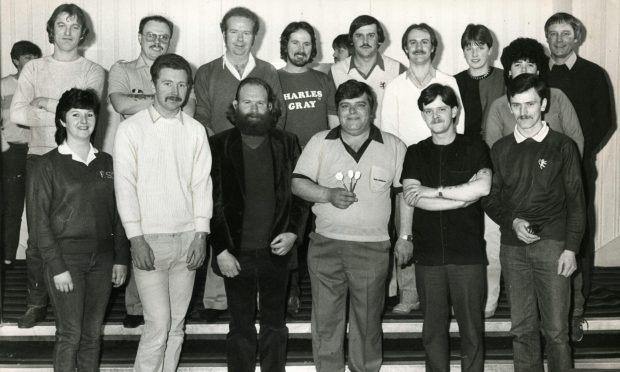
<point>240,36</point>
<point>175,89</point>
<point>366,39</point>
<point>522,111</point>
<point>83,119</point>
<point>67,30</point>
<point>474,52</point>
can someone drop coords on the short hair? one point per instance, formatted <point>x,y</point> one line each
<point>354,89</point>
<point>525,82</point>
<point>431,92</point>
<point>343,41</point>
<point>24,48</point>
<point>155,18</point>
<point>271,98</point>
<point>173,61</point>
<point>240,12</point>
<point>366,20</point>
<point>565,18</point>
<point>476,34</point>
<point>74,99</point>
<point>286,35</point>
<point>525,49</point>
<point>73,11</point>
<point>423,27</point>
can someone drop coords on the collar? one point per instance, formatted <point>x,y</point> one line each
<point>64,149</point>
<point>141,62</point>
<point>248,68</point>
<point>378,62</point>
<point>375,134</point>
<point>155,115</point>
<point>542,133</point>
<point>570,62</point>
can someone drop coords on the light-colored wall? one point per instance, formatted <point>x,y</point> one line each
<point>197,38</point>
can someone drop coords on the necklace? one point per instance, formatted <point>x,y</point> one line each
<point>480,77</point>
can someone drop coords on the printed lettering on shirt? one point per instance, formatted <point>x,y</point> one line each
<point>106,174</point>
<point>302,100</point>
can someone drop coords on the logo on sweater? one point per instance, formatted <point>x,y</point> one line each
<point>382,85</point>
<point>106,174</point>
<point>542,163</point>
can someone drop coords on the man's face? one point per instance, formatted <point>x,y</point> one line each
<point>477,55</point>
<point>366,41</point>
<point>340,54</point>
<point>238,35</point>
<point>419,47</point>
<point>299,48</point>
<point>527,108</point>
<point>67,32</point>
<point>154,40</point>
<point>79,123</point>
<point>253,110</point>
<point>355,115</point>
<point>170,89</point>
<point>522,66</point>
<point>561,39</point>
<point>439,117</point>
<point>22,60</point>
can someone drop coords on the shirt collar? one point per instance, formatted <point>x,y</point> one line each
<point>248,68</point>
<point>64,149</point>
<point>155,115</point>
<point>375,134</point>
<point>378,62</point>
<point>570,61</point>
<point>539,137</point>
<point>141,62</point>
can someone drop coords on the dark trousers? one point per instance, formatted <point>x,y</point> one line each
<point>37,294</point>
<point>79,313</point>
<point>13,193</point>
<point>461,286</point>
<point>258,273</point>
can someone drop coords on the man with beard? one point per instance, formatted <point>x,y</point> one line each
<point>256,222</point>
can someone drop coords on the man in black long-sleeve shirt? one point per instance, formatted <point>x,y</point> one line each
<point>537,199</point>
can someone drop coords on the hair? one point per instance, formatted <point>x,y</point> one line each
<point>476,34</point>
<point>565,18</point>
<point>23,48</point>
<point>525,49</point>
<point>240,12</point>
<point>74,99</point>
<point>355,89</point>
<point>423,27</point>
<point>343,41</point>
<point>155,18</point>
<point>286,35</point>
<point>431,92</point>
<point>271,98</point>
<point>73,11</point>
<point>173,61</point>
<point>525,82</point>
<point>366,20</point>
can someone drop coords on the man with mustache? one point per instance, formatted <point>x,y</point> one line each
<point>537,199</point>
<point>366,64</point>
<point>444,177</point>
<point>401,118</point>
<point>256,223</point>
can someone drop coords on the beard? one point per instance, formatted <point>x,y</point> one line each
<point>297,61</point>
<point>253,124</point>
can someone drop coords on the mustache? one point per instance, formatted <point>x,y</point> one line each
<point>525,117</point>
<point>436,121</point>
<point>300,54</point>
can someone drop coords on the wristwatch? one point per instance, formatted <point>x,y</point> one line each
<point>440,191</point>
<point>408,238</point>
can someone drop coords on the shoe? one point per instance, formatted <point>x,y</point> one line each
<point>577,328</point>
<point>211,315</point>
<point>32,316</point>
<point>133,321</point>
<point>292,306</point>
<point>405,308</point>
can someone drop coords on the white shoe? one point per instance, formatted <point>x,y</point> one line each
<point>405,308</point>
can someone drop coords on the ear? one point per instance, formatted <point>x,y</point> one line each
<point>270,106</point>
<point>139,38</point>
<point>15,62</point>
<point>235,104</point>
<point>153,86</point>
<point>543,105</point>
<point>455,111</point>
<point>63,123</point>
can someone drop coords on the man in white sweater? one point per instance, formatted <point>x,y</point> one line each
<point>162,165</point>
<point>40,85</point>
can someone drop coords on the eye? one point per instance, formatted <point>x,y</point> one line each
<point>91,114</point>
<point>428,112</point>
<point>443,109</point>
<point>182,85</point>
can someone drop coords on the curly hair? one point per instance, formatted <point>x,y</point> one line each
<point>524,49</point>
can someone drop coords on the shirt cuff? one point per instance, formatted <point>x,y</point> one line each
<point>133,229</point>
<point>202,224</point>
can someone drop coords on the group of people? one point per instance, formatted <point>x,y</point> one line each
<point>412,174</point>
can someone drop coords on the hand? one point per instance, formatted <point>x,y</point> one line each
<point>567,263</point>
<point>63,282</point>
<point>119,274</point>
<point>414,192</point>
<point>403,251</point>
<point>341,198</point>
<point>520,227</point>
<point>142,254</point>
<point>283,243</point>
<point>229,266</point>
<point>197,251</point>
<point>39,102</point>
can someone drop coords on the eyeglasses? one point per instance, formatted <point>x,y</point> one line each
<point>151,37</point>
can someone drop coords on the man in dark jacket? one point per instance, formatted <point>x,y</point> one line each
<point>256,222</point>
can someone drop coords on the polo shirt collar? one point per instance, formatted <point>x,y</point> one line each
<point>155,115</point>
<point>570,62</point>
<point>141,63</point>
<point>64,149</point>
<point>248,68</point>
<point>378,62</point>
<point>374,135</point>
<point>539,137</point>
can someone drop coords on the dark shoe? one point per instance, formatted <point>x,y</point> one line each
<point>133,321</point>
<point>292,306</point>
<point>210,315</point>
<point>32,316</point>
<point>577,328</point>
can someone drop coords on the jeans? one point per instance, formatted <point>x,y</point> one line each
<point>461,286</point>
<point>13,195</point>
<point>165,293</point>
<point>536,290</point>
<point>492,237</point>
<point>258,274</point>
<point>37,294</point>
<point>79,313</point>
<point>359,268</point>
<point>133,305</point>
<point>214,296</point>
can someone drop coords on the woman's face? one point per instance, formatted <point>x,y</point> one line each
<point>80,123</point>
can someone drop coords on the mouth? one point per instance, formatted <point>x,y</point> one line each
<point>173,99</point>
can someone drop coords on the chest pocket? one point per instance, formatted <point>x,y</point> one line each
<point>380,179</point>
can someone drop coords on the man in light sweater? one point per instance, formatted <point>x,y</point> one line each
<point>40,85</point>
<point>170,152</point>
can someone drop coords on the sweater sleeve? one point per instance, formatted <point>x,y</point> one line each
<point>570,121</point>
<point>493,124</point>
<point>202,186</point>
<point>277,91</point>
<point>492,203</point>
<point>203,104</point>
<point>125,182</point>
<point>602,110</point>
<point>22,112</point>
<point>575,200</point>
<point>95,79</point>
<point>389,111</point>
